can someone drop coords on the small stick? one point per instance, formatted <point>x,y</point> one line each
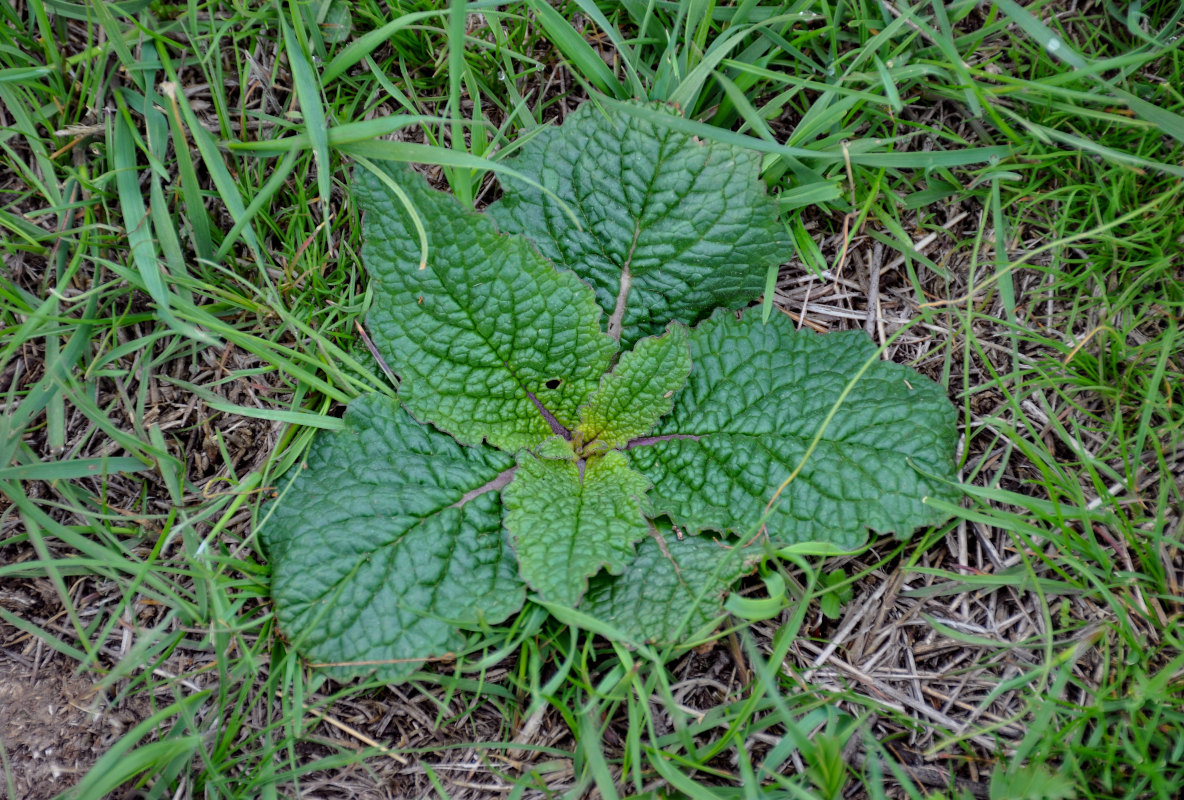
<point>374,352</point>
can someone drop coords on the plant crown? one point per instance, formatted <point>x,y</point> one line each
<point>561,431</point>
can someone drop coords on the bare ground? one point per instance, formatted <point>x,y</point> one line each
<point>54,723</point>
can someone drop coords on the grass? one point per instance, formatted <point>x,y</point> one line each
<point>180,306</point>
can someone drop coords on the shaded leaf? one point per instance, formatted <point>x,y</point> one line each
<point>672,589</point>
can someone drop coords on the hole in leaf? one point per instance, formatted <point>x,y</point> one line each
<point>553,383</point>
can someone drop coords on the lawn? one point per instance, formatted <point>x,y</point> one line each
<point>990,192</point>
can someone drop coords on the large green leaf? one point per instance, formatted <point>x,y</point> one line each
<point>671,590</point>
<point>670,227</point>
<point>488,334</point>
<point>638,392</point>
<point>385,543</point>
<point>753,404</point>
<point>567,519</point>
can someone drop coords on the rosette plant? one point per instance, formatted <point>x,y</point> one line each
<point>582,418</point>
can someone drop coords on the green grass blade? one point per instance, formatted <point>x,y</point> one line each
<point>629,58</point>
<point>687,92</point>
<point>461,183</point>
<point>216,166</point>
<point>1041,33</point>
<point>585,61</point>
<point>1171,123</point>
<point>124,760</point>
<point>365,44</point>
<point>76,468</point>
<point>137,224</point>
<point>308,92</point>
<point>590,741</point>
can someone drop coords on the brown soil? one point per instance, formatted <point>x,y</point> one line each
<point>53,724</point>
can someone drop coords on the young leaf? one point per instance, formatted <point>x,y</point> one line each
<point>752,406</point>
<point>556,447</point>
<point>488,339</point>
<point>670,227</point>
<point>671,589</point>
<point>638,392</point>
<point>386,542</point>
<point>567,519</point>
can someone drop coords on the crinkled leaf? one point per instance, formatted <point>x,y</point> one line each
<point>488,332</point>
<point>755,400</point>
<point>638,392</point>
<point>556,447</point>
<point>670,227</point>
<point>379,551</point>
<point>566,526</point>
<point>672,589</point>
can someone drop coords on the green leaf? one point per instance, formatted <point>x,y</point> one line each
<point>753,405</point>
<point>335,20</point>
<point>671,591</point>
<point>556,447</point>
<point>638,392</point>
<point>1031,782</point>
<point>488,338</point>
<point>386,543</point>
<point>670,226</point>
<point>567,519</point>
